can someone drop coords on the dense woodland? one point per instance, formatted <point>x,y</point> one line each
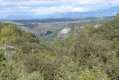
<point>88,54</point>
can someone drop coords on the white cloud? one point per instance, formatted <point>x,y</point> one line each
<point>87,2</point>
<point>3,5</point>
<point>80,9</point>
<point>23,7</point>
<point>51,6</point>
<point>32,2</point>
<point>50,10</point>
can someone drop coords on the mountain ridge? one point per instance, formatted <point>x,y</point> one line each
<point>101,12</point>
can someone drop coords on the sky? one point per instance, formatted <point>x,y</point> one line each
<point>44,7</point>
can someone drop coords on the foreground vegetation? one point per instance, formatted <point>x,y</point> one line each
<point>89,54</point>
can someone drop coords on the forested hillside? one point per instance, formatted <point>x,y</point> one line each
<point>50,29</point>
<point>87,54</point>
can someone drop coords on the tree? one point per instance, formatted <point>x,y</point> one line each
<point>117,15</point>
<point>7,37</point>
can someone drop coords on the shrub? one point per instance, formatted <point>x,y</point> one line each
<point>33,76</point>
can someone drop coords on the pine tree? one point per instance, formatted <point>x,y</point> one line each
<point>7,37</point>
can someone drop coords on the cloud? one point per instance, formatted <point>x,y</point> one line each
<point>40,7</point>
<point>88,2</point>
<point>80,9</point>
<point>25,3</point>
<point>50,10</point>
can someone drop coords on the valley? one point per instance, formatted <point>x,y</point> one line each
<point>51,29</point>
<point>89,51</point>
<point>59,39</point>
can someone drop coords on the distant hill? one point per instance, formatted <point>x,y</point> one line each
<point>102,12</point>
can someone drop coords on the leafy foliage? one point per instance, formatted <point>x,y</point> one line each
<point>93,74</point>
<point>87,54</point>
<point>33,76</point>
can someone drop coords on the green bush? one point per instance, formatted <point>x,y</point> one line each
<point>68,71</point>
<point>72,71</point>
<point>10,70</point>
<point>33,76</point>
<point>93,74</point>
